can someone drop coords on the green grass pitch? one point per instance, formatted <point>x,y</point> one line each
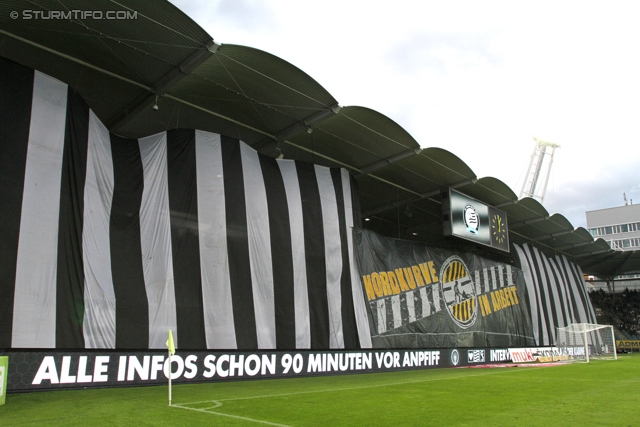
<point>601,393</point>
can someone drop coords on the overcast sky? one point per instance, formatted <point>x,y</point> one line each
<point>477,78</point>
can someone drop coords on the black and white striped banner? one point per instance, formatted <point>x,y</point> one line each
<point>556,291</point>
<point>109,242</point>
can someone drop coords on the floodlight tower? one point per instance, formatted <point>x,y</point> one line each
<point>540,164</point>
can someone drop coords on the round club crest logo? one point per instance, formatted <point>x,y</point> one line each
<point>455,357</point>
<point>471,219</point>
<point>459,292</point>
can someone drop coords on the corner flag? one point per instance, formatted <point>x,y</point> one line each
<point>170,346</point>
<point>172,351</point>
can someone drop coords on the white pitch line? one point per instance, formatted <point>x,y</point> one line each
<point>218,404</point>
<point>348,388</point>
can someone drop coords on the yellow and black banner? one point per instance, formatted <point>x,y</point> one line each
<point>424,297</point>
<point>628,344</point>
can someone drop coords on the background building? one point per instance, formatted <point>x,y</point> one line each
<point>620,228</point>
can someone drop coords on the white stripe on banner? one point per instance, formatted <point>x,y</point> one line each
<point>476,279</point>
<point>435,293</point>
<point>34,310</point>
<point>426,307</point>
<point>359,305</point>
<point>300,292</point>
<point>333,254</point>
<point>155,236</point>
<point>397,311</point>
<point>501,276</point>
<point>99,326</point>
<point>382,315</point>
<point>487,284</point>
<point>411,309</point>
<point>259,248</point>
<point>509,276</point>
<point>214,258</point>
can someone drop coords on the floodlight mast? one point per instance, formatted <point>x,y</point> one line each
<point>530,186</point>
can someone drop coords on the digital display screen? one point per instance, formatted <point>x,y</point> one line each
<point>473,220</point>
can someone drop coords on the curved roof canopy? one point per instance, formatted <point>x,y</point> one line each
<point>158,56</point>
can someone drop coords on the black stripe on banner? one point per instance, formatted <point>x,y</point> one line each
<point>373,319</point>
<point>70,273</point>
<point>16,94</point>
<point>563,316</point>
<point>349,327</point>
<point>185,243</point>
<point>281,254</point>
<point>546,275</point>
<point>244,316</point>
<point>390,318</point>
<point>355,203</point>
<point>417,303</point>
<point>132,308</point>
<point>537,304</point>
<point>543,293</point>
<point>404,310</point>
<point>314,256</point>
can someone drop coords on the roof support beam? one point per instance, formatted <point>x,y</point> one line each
<point>507,203</point>
<point>385,162</point>
<point>163,85</point>
<point>575,245</point>
<point>552,235</point>
<point>298,127</point>
<point>601,251</point>
<point>528,222</point>
<point>305,125</point>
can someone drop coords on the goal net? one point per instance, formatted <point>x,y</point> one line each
<point>584,341</point>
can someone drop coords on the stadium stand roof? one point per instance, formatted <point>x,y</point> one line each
<point>165,59</point>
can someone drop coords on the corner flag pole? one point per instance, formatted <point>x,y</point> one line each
<point>172,350</point>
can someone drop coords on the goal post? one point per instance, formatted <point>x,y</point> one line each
<point>582,341</point>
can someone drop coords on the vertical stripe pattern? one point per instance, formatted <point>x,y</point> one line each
<point>259,244</point>
<point>185,242</point>
<point>132,307</point>
<point>34,310</point>
<point>116,240</point>
<point>99,327</point>
<point>217,305</point>
<point>16,95</point>
<point>155,238</point>
<point>298,258</point>
<point>556,292</point>
<point>70,281</point>
<point>109,242</point>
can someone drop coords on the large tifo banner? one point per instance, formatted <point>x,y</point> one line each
<point>421,297</point>
<point>107,243</point>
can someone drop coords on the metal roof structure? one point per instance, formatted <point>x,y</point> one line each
<point>158,56</point>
